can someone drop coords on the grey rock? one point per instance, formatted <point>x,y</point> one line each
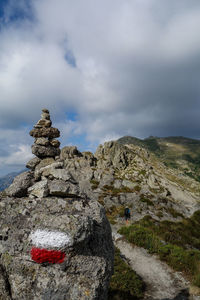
<point>44,123</point>
<point>44,110</point>
<point>45,162</point>
<point>42,151</point>
<point>31,164</point>
<point>50,133</point>
<point>45,116</point>
<point>42,141</point>
<point>55,143</point>
<point>20,185</point>
<point>69,152</point>
<point>63,189</point>
<point>39,189</point>
<point>47,170</point>
<point>88,265</point>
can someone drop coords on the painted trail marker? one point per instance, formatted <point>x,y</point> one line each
<point>47,245</point>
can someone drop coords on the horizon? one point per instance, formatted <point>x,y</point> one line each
<point>103,69</point>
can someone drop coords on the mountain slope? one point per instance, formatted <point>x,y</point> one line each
<point>6,180</point>
<point>180,153</point>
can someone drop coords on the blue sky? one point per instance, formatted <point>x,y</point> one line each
<point>104,69</point>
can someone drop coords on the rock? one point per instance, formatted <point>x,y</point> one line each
<point>4,291</point>
<point>20,185</point>
<point>69,152</point>
<point>61,188</point>
<point>45,162</point>
<point>42,151</point>
<point>42,141</point>
<point>87,262</point>
<point>31,164</point>
<point>43,123</point>
<point>47,170</point>
<point>39,189</point>
<point>58,246</point>
<point>51,132</point>
<point>58,174</point>
<point>55,143</point>
<point>45,116</point>
<point>44,110</point>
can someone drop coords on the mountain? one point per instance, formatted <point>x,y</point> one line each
<point>6,180</point>
<point>177,152</point>
<point>150,178</point>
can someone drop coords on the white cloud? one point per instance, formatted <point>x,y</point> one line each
<point>134,68</point>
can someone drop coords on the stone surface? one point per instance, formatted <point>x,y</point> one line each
<point>31,164</point>
<point>87,267</point>
<point>42,141</point>
<point>55,143</point>
<point>20,185</point>
<point>42,151</point>
<point>43,123</point>
<point>45,132</point>
<point>63,189</point>
<point>69,152</point>
<point>39,189</point>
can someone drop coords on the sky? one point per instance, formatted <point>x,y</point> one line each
<point>104,69</point>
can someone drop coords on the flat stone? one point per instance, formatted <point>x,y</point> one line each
<point>42,151</point>
<point>44,123</point>
<point>31,164</point>
<point>42,141</point>
<point>39,189</point>
<point>58,174</point>
<point>50,133</point>
<point>59,188</point>
<point>45,162</point>
<point>55,143</point>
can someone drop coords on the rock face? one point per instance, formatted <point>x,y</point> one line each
<point>55,241</point>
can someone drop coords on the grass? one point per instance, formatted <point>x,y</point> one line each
<point>113,212</point>
<point>125,284</point>
<point>178,244</point>
<point>116,191</point>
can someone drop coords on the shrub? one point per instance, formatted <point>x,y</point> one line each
<point>125,284</point>
<point>173,242</point>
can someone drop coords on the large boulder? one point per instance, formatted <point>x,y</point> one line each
<point>54,248</point>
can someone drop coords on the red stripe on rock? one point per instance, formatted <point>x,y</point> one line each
<point>50,256</point>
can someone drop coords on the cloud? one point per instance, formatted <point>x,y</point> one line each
<point>123,67</point>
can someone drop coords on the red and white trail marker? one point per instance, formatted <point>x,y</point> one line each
<point>46,245</point>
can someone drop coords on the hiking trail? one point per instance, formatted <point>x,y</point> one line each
<point>162,283</point>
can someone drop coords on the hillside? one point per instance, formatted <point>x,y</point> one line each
<point>177,152</point>
<point>164,201</point>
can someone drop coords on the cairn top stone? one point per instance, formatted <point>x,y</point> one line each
<point>45,110</point>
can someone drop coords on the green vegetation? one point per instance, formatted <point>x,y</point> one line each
<point>175,152</point>
<point>113,212</point>
<point>115,191</point>
<point>125,283</point>
<point>178,244</point>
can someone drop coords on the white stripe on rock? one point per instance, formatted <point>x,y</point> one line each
<point>45,239</point>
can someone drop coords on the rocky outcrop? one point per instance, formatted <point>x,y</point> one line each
<point>55,240</point>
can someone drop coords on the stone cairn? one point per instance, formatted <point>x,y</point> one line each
<point>45,144</point>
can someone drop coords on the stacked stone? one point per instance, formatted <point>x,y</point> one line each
<point>45,144</point>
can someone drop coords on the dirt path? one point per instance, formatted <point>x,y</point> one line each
<point>162,283</point>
